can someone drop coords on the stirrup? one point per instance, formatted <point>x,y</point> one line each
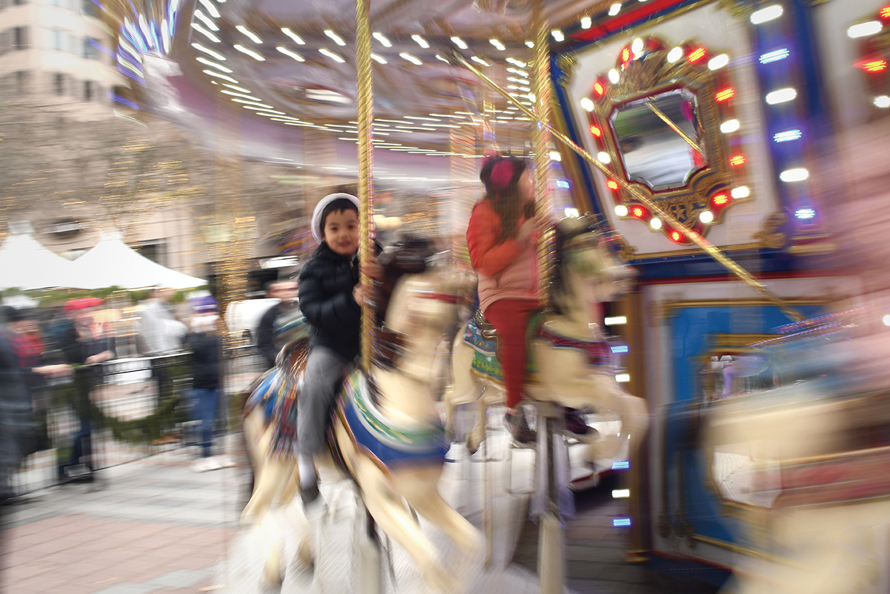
<point>484,326</point>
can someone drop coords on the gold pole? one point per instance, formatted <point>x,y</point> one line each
<point>673,126</point>
<point>690,234</point>
<point>541,144</point>
<point>365,158</point>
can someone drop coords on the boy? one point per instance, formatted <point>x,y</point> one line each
<point>331,298</point>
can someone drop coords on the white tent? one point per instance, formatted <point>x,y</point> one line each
<point>113,264</point>
<point>25,264</point>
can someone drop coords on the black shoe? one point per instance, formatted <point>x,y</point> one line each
<point>313,505</point>
<point>309,494</point>
<point>575,422</point>
<point>518,426</point>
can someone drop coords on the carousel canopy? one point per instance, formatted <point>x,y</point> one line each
<point>25,264</point>
<point>113,264</point>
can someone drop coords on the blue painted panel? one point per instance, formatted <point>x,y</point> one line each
<point>689,329</point>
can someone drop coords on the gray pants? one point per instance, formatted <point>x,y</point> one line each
<point>324,370</point>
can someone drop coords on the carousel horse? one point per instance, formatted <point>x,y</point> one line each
<point>810,454</point>
<point>569,358</point>
<point>386,433</point>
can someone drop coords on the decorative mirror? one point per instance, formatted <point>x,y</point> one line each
<point>663,120</point>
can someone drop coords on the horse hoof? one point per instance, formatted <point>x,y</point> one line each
<point>304,554</point>
<point>440,581</point>
<point>272,575</point>
<point>472,445</point>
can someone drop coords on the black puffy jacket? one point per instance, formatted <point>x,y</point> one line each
<point>326,284</point>
<point>206,353</point>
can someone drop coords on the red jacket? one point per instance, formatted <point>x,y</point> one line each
<point>508,269</point>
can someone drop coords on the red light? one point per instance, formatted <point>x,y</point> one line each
<point>872,65</point>
<point>720,199</point>
<point>613,185</point>
<point>675,235</point>
<point>885,12</point>
<point>598,88</point>
<point>625,54</point>
<point>596,131</point>
<point>737,160</point>
<point>637,212</point>
<point>725,95</point>
<point>697,54</point>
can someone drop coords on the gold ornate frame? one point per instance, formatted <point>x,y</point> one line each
<point>661,70</point>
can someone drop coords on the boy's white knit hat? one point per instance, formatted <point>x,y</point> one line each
<point>319,208</point>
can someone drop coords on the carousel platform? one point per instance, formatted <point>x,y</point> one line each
<point>155,526</point>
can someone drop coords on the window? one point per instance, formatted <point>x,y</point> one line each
<point>55,39</point>
<point>87,90</point>
<point>20,38</point>
<point>59,83</point>
<point>89,50</point>
<point>21,82</point>
<point>90,8</point>
<point>18,2</point>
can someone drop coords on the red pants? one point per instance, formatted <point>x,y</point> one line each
<point>510,318</point>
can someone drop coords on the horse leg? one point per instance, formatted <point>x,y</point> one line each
<point>419,486</point>
<point>463,386</point>
<point>386,507</point>
<point>489,397</point>
<point>272,475</point>
<point>634,422</point>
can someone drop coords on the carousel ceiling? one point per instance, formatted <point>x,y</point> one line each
<point>292,64</point>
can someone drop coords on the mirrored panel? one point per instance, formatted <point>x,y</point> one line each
<point>653,152</point>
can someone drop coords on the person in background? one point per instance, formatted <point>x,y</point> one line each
<point>16,422</point>
<point>206,346</point>
<point>161,331</point>
<point>24,335</point>
<point>86,346</point>
<point>286,292</point>
<point>162,334</point>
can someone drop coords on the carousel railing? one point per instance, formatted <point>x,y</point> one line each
<point>134,406</point>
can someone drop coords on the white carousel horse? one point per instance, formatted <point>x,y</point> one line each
<point>810,458</point>
<point>393,445</point>
<point>572,360</point>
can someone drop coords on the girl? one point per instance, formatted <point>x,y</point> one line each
<point>502,237</point>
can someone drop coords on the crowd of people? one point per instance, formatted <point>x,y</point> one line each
<point>44,347</point>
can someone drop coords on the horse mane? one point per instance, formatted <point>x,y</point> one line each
<point>566,230</point>
<point>407,256</point>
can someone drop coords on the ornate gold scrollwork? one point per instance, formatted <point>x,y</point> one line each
<point>686,85</point>
<point>567,64</point>
<point>625,251</point>
<point>770,235</point>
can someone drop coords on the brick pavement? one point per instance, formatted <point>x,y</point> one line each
<point>153,526</point>
<point>147,527</point>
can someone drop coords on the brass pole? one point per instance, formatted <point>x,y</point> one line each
<point>541,144</point>
<point>690,234</point>
<point>365,161</point>
<point>673,126</point>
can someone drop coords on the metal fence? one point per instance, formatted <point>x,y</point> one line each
<point>126,409</point>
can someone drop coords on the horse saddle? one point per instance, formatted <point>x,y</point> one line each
<point>483,338</point>
<point>388,443</point>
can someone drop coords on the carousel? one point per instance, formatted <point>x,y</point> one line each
<point>702,303</point>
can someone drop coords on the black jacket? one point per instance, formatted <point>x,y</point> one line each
<point>17,427</point>
<point>206,352</point>
<point>326,284</point>
<point>265,333</point>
